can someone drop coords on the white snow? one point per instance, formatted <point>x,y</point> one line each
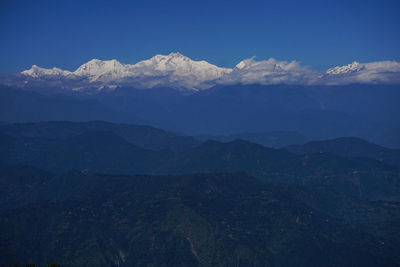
<point>353,67</point>
<point>372,72</point>
<point>37,72</point>
<point>178,71</point>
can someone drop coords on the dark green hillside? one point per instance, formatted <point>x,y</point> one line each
<point>90,151</point>
<point>21,185</point>
<point>99,152</point>
<point>274,139</point>
<point>108,152</point>
<point>237,155</point>
<point>142,136</point>
<point>364,178</point>
<point>193,220</point>
<point>350,147</point>
<point>22,150</point>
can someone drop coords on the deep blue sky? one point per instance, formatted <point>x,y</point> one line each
<point>320,34</point>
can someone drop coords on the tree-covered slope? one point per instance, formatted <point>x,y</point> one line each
<point>194,220</point>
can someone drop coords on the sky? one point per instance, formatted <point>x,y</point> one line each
<point>319,34</point>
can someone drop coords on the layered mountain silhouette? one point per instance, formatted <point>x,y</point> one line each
<point>76,146</point>
<point>104,194</point>
<point>349,147</point>
<point>269,139</point>
<point>317,112</point>
<point>140,135</point>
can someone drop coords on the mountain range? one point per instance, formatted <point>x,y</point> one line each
<point>104,194</point>
<point>317,112</point>
<point>78,219</point>
<point>178,71</point>
<point>349,147</point>
<point>176,93</point>
<point>127,149</point>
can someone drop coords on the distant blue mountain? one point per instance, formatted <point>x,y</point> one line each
<point>318,112</point>
<point>269,139</point>
<point>349,147</point>
<point>27,106</point>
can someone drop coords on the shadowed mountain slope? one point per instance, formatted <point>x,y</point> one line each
<point>193,220</point>
<point>349,147</point>
<point>143,136</point>
<point>269,139</point>
<point>108,152</point>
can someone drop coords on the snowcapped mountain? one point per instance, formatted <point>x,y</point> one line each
<point>37,72</point>
<point>271,71</point>
<point>98,70</point>
<point>350,68</point>
<point>174,70</point>
<point>178,65</point>
<point>180,72</point>
<point>381,72</point>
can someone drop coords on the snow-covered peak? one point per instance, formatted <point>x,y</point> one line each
<point>372,73</point>
<point>246,63</point>
<point>101,70</point>
<point>95,65</point>
<point>173,55</point>
<point>240,65</point>
<point>37,72</point>
<point>270,71</point>
<point>271,65</point>
<point>350,68</point>
<point>173,70</point>
<point>178,71</point>
<point>178,65</point>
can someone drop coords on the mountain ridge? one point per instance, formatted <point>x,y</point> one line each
<point>180,72</point>
<point>349,147</point>
<point>80,219</point>
<point>106,149</point>
<point>187,73</point>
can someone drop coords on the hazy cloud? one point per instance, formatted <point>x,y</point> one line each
<point>269,71</point>
<point>176,70</point>
<point>373,72</point>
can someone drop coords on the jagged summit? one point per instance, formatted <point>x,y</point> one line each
<point>180,72</point>
<point>101,70</point>
<point>174,70</point>
<point>172,55</point>
<point>37,72</point>
<point>178,65</point>
<point>350,68</point>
